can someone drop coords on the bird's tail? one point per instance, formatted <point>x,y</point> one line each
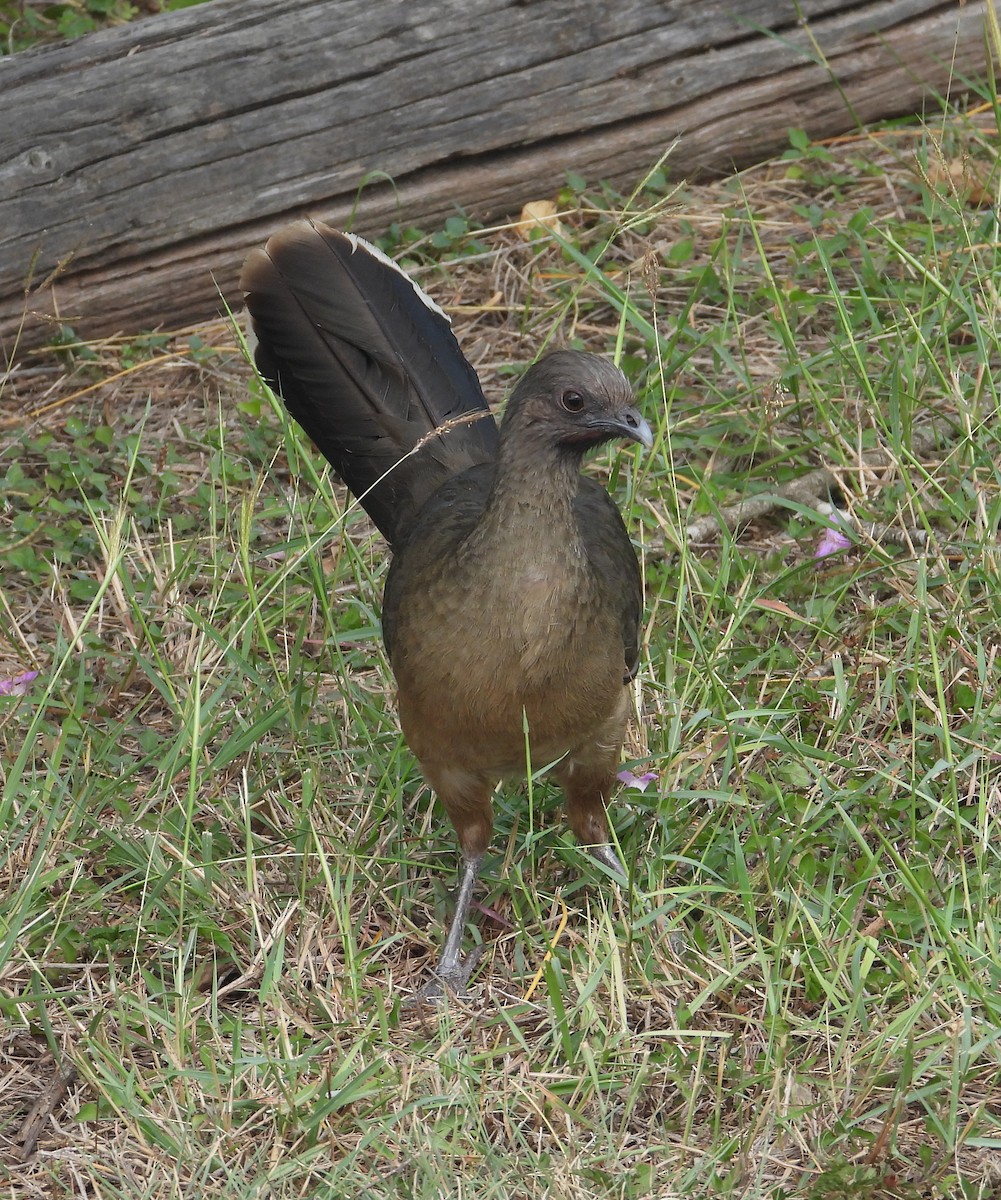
<point>368,366</point>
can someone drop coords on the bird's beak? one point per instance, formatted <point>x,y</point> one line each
<point>633,427</point>
<point>625,425</point>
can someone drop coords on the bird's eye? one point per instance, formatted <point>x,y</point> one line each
<point>572,402</point>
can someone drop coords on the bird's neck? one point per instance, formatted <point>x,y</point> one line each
<point>531,505</point>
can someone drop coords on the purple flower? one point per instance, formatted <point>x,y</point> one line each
<point>639,782</point>
<point>17,686</point>
<point>832,541</point>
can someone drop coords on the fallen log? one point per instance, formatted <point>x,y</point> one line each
<point>138,165</point>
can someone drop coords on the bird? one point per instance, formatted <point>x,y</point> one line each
<point>513,601</point>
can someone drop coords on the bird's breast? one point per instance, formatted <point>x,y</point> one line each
<point>478,662</point>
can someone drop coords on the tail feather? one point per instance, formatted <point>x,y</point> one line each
<point>367,364</point>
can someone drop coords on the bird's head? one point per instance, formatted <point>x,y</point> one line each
<point>574,401</point>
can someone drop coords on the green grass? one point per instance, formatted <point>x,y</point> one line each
<point>222,874</point>
<point>25,25</point>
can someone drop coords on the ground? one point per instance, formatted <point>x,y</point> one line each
<point>222,874</point>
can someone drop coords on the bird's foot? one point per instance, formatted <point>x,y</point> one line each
<point>450,980</point>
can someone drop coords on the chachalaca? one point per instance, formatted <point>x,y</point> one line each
<point>512,606</point>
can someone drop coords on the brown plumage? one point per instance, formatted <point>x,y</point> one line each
<point>514,593</point>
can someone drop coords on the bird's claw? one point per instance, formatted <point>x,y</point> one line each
<point>448,981</point>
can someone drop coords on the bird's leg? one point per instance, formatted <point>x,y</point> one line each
<point>604,853</point>
<point>467,800</point>
<point>452,969</point>
<point>587,787</point>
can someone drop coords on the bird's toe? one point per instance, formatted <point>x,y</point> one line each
<point>448,982</point>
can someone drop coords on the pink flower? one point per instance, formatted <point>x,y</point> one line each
<point>832,541</point>
<point>17,686</point>
<point>639,782</point>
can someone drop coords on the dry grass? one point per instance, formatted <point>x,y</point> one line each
<point>222,874</point>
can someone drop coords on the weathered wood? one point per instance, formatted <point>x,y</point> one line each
<point>140,164</point>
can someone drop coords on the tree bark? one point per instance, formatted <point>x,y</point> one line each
<point>138,165</point>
